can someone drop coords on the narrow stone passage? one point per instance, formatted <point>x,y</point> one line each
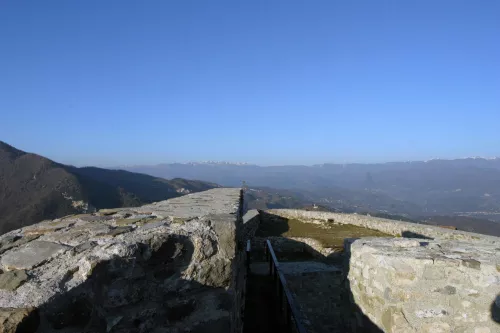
<point>313,273</point>
<point>318,291</point>
<point>259,307</point>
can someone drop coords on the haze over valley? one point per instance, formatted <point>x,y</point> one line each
<point>419,190</point>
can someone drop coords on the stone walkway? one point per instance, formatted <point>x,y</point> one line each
<point>319,293</point>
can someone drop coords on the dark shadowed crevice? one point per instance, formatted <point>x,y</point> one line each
<point>117,298</point>
<point>495,309</point>
<point>410,234</point>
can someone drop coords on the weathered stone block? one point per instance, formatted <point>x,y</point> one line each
<point>434,273</point>
<point>11,280</point>
<point>31,255</point>
<point>424,289</point>
<point>154,275</point>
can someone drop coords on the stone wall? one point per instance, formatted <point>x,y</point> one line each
<point>172,266</point>
<point>245,231</point>
<point>429,279</point>
<point>392,227</point>
<point>417,285</point>
<point>180,266</point>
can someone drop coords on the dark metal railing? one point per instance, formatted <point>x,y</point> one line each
<point>288,310</point>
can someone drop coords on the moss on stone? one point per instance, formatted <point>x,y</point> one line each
<point>179,220</point>
<point>471,263</point>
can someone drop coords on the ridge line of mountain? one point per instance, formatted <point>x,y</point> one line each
<point>34,188</point>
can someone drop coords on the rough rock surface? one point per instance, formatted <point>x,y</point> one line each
<point>14,320</point>
<point>448,281</point>
<point>421,285</point>
<point>170,266</point>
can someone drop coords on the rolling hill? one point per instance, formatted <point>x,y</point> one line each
<point>33,188</point>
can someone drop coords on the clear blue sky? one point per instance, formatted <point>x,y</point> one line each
<point>268,82</point>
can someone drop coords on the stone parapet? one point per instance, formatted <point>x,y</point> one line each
<point>171,266</point>
<point>392,227</point>
<point>419,285</point>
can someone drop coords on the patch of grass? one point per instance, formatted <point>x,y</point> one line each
<point>329,235</point>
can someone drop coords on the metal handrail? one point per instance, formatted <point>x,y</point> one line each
<point>279,278</point>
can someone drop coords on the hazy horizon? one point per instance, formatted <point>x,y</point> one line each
<point>275,83</point>
<point>261,164</point>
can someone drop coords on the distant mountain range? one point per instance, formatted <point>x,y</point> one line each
<point>467,187</point>
<point>463,192</point>
<point>33,188</point>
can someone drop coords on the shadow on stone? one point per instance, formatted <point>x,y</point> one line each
<point>324,298</point>
<point>334,311</point>
<point>140,293</point>
<point>361,322</point>
<point>495,309</point>
<point>410,234</point>
<point>271,225</point>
